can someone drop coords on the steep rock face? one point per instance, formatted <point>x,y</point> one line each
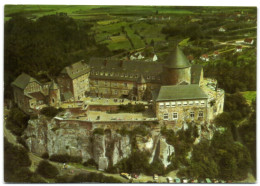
<point>75,139</point>
<point>165,150</point>
<point>43,135</point>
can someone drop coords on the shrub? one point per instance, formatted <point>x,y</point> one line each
<point>93,177</point>
<point>45,155</point>
<point>141,130</point>
<point>22,142</point>
<point>90,162</point>
<point>98,131</point>
<point>64,158</point>
<point>50,111</point>
<point>47,170</point>
<point>123,131</point>
<point>17,121</point>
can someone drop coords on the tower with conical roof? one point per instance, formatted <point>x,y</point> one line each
<point>141,87</point>
<point>54,95</point>
<point>176,68</point>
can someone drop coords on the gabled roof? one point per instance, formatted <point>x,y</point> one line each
<point>114,69</point>
<point>23,80</point>
<point>37,95</point>
<point>67,95</point>
<point>181,92</point>
<point>141,80</point>
<point>177,59</point>
<point>248,40</point>
<point>75,70</point>
<point>54,86</point>
<point>195,73</point>
<point>205,56</point>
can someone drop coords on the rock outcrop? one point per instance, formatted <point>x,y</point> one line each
<point>75,139</point>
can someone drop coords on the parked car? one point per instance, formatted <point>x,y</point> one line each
<point>134,175</point>
<point>193,181</point>
<point>208,180</point>
<point>177,180</point>
<point>215,181</point>
<point>169,180</point>
<point>222,181</point>
<point>155,177</point>
<point>184,180</point>
<point>125,175</point>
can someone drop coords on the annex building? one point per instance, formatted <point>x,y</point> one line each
<point>178,88</point>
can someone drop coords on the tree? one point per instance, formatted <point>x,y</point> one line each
<point>47,170</point>
<point>224,119</point>
<point>17,121</point>
<point>50,111</point>
<point>147,95</point>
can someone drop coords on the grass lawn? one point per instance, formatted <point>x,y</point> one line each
<point>249,95</point>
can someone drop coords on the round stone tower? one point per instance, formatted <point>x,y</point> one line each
<point>176,69</point>
<point>54,95</point>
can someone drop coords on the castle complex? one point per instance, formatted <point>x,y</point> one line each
<point>178,89</point>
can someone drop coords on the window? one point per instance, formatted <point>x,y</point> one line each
<point>173,104</point>
<point>167,104</point>
<point>96,82</point>
<point>196,102</point>
<point>148,77</point>
<point>202,103</point>
<point>185,103</point>
<point>192,114</point>
<point>190,102</point>
<point>179,103</point>
<point>161,105</point>
<point>165,116</point>
<point>125,84</point>
<point>106,83</point>
<point>115,92</point>
<point>175,115</point>
<point>200,114</point>
<point>115,84</point>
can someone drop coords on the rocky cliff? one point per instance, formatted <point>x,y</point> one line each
<point>48,135</point>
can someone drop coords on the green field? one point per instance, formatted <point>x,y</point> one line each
<point>249,95</point>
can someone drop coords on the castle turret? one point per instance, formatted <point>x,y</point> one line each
<point>176,69</point>
<point>54,95</point>
<point>141,87</point>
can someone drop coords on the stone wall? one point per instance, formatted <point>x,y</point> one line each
<point>183,111</point>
